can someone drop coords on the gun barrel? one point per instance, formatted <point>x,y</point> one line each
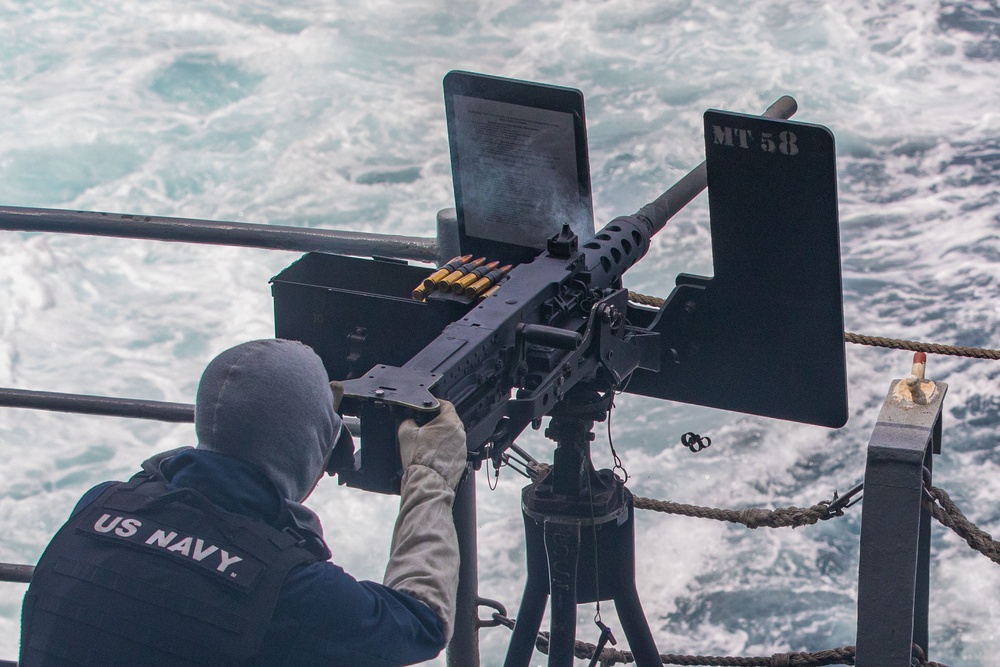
<point>690,186</point>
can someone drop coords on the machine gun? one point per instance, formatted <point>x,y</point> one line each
<point>763,336</point>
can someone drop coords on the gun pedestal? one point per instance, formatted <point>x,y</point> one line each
<point>580,544</point>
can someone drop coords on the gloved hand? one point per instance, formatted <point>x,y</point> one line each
<point>423,557</point>
<point>439,444</point>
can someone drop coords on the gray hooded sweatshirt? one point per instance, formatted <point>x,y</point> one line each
<point>268,402</point>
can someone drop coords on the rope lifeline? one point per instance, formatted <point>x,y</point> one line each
<point>943,509</point>
<point>610,656</point>
<point>914,346</point>
<point>948,514</point>
<point>792,517</point>
<point>876,341</point>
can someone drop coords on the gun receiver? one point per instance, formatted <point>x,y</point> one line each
<point>556,321</point>
<point>563,320</point>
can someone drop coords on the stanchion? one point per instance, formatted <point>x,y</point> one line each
<point>894,572</point>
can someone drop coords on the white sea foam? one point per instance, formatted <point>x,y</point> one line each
<point>330,115</point>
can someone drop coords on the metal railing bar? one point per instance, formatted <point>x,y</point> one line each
<point>114,407</point>
<point>20,574</point>
<point>97,405</point>
<point>243,234</point>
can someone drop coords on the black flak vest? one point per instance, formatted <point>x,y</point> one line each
<point>147,576</point>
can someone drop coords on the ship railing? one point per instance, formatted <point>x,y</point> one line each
<point>436,250</point>
<point>894,570</point>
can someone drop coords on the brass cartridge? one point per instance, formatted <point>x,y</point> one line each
<point>459,285</point>
<point>489,292</point>
<point>487,281</point>
<point>445,283</point>
<point>431,281</point>
<point>420,293</point>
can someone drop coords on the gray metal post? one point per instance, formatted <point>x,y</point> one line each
<point>115,407</point>
<point>447,236</point>
<point>189,230</point>
<point>96,405</point>
<point>463,651</point>
<point>894,573</point>
<point>16,573</point>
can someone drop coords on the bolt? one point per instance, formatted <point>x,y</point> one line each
<point>690,307</point>
<point>916,388</point>
<point>379,393</point>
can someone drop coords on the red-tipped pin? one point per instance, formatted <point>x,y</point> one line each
<point>919,365</point>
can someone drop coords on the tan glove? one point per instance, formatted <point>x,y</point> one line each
<point>439,444</point>
<point>423,558</point>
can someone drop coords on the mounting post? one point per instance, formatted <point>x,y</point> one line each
<point>579,543</point>
<point>463,650</point>
<point>894,573</point>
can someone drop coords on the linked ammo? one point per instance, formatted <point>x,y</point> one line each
<point>487,281</point>
<point>445,284</point>
<point>458,287</point>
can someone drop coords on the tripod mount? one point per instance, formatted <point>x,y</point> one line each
<point>580,542</point>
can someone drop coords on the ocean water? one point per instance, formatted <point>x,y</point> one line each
<point>330,114</point>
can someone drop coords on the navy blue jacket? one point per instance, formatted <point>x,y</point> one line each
<point>323,615</point>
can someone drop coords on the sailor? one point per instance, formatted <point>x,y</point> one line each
<point>208,557</point>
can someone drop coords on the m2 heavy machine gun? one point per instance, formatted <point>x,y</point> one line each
<point>557,336</point>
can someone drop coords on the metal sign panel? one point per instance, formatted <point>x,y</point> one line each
<point>519,164</point>
<point>765,335</point>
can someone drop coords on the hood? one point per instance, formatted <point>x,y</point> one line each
<point>269,403</point>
